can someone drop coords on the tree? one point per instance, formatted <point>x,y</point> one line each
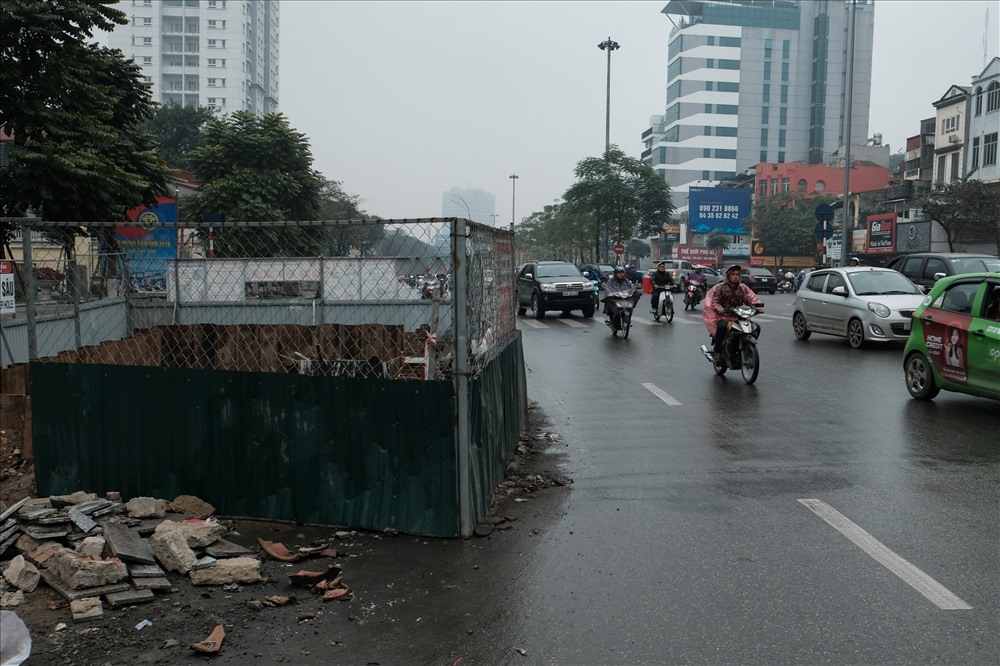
<point>178,130</point>
<point>968,211</point>
<point>785,223</point>
<point>719,241</point>
<point>76,111</point>
<point>637,249</point>
<point>621,192</point>
<point>342,239</point>
<point>257,169</point>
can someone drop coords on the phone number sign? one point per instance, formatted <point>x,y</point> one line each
<point>722,208</point>
<point>882,233</point>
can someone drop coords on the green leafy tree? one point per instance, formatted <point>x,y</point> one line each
<point>76,111</point>
<point>968,211</point>
<point>719,241</point>
<point>342,239</point>
<point>257,169</point>
<point>177,129</point>
<point>785,223</point>
<point>621,192</point>
<point>637,249</point>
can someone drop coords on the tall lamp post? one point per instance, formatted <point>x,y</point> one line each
<point>609,46</point>
<point>513,198</point>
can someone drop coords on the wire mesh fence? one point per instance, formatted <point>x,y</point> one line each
<point>370,298</point>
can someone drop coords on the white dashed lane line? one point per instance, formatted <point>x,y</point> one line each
<point>937,593</point>
<point>661,394</point>
<point>533,324</point>
<point>572,322</point>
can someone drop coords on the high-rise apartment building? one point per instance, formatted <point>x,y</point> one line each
<point>221,54</point>
<point>476,205</point>
<point>751,81</point>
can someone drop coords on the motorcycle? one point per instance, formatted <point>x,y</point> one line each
<point>665,306</point>
<point>739,349</point>
<point>694,292</point>
<point>786,287</point>
<point>620,305</point>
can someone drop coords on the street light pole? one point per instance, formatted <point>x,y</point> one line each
<point>513,198</point>
<point>608,45</point>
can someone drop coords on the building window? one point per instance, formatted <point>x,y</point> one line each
<point>676,46</point>
<point>725,154</point>
<point>783,115</point>
<point>706,175</point>
<point>216,25</point>
<point>729,41</point>
<point>147,41</point>
<point>781,138</point>
<point>674,69</point>
<point>767,71</point>
<point>216,43</point>
<point>767,48</point>
<point>763,156</point>
<point>979,100</point>
<point>765,114</point>
<point>711,40</point>
<point>975,152</point>
<point>216,83</point>
<point>216,62</point>
<point>992,97</point>
<point>727,109</point>
<point>706,152</point>
<point>725,131</point>
<point>786,184</point>
<point>820,186</point>
<point>990,149</point>
<point>784,94</point>
<point>674,91</point>
<point>950,124</point>
<point>729,64</point>
<point>940,170</point>
<point>726,86</point>
<point>710,63</point>
<point>762,188</point>
<point>147,60</point>
<point>802,185</point>
<point>784,71</point>
<point>708,108</point>
<point>767,93</point>
<point>785,47</point>
<point>763,136</point>
<point>147,79</point>
<point>954,167</point>
<point>774,186</point>
<point>781,156</point>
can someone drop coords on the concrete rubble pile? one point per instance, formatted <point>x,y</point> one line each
<point>95,550</point>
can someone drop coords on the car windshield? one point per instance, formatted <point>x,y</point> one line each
<point>878,283</point>
<point>607,268</point>
<point>975,265</point>
<point>557,270</point>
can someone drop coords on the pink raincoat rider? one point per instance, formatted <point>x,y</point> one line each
<point>727,295</point>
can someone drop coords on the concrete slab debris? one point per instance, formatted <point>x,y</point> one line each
<point>127,544</point>
<point>53,581</point>
<point>129,597</point>
<point>87,608</point>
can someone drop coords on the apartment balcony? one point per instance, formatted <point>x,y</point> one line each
<point>911,174</point>
<point>646,153</point>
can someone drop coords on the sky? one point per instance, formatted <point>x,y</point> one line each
<point>402,101</point>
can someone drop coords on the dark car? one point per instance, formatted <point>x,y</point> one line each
<point>759,279</point>
<point>926,268</point>
<point>554,285</point>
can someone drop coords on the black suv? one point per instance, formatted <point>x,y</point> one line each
<point>926,268</point>
<point>553,285</point>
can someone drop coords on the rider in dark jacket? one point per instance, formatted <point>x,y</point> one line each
<point>661,278</point>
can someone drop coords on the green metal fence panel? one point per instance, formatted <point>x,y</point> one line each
<point>495,418</point>
<point>365,453</point>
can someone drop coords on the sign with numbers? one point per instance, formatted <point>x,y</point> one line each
<point>722,208</point>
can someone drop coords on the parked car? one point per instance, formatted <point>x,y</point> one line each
<point>926,268</point>
<point>861,304</point>
<point>553,285</point>
<point>712,276</point>
<point>955,341</point>
<point>759,279</point>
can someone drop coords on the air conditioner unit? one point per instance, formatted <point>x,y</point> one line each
<point>953,138</point>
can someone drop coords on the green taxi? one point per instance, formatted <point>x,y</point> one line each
<point>954,343</point>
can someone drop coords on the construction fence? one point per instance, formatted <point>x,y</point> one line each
<point>346,306</point>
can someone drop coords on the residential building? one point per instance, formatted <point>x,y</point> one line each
<point>949,140</point>
<point>476,205</point>
<point>919,157</point>
<point>983,125</point>
<point>751,82</point>
<point>813,180</point>
<point>221,54</point>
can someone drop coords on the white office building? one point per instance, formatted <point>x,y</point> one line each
<point>477,205</point>
<point>751,81</point>
<point>221,54</point>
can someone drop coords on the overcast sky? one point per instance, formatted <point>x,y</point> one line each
<point>403,100</point>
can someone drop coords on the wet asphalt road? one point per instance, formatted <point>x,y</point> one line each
<point>684,538</point>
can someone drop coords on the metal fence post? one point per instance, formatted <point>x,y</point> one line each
<point>73,275</point>
<point>29,294</point>
<point>460,301</point>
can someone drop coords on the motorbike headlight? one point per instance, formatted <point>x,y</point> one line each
<point>879,310</point>
<point>549,287</point>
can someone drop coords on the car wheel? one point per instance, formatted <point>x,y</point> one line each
<point>536,307</point>
<point>920,378</point>
<point>521,309</point>
<point>856,334</point>
<point>800,327</point>
<point>588,311</point>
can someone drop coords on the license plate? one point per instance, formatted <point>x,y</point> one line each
<point>570,293</point>
<point>906,326</point>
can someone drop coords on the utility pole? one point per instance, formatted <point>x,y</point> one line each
<point>608,45</point>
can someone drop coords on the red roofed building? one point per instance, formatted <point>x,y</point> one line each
<point>813,180</point>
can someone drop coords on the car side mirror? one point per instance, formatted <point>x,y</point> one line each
<point>840,291</point>
<point>938,276</point>
<point>527,276</point>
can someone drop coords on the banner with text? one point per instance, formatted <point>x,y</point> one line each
<point>722,208</point>
<point>149,247</point>
<point>882,233</point>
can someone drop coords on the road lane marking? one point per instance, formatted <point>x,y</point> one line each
<point>659,393</point>
<point>571,322</point>
<point>533,324</point>
<point>768,317</point>
<point>938,594</point>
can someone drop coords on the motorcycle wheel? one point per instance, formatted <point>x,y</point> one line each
<point>669,312</point>
<point>719,366</point>
<point>626,324</point>
<point>749,363</point>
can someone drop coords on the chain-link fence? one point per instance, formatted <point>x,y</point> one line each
<point>378,299</point>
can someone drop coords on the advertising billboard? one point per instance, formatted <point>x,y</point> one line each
<point>882,233</point>
<point>149,245</point>
<point>722,208</point>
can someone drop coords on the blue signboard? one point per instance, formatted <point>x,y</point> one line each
<point>148,247</point>
<point>720,208</point>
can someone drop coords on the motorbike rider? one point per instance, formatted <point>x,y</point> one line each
<point>697,276</point>
<point>661,278</point>
<point>730,293</point>
<point>617,282</point>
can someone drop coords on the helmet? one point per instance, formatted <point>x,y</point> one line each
<point>619,269</point>
<point>855,260</point>
<point>697,269</point>
<point>662,263</point>
<point>734,267</point>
